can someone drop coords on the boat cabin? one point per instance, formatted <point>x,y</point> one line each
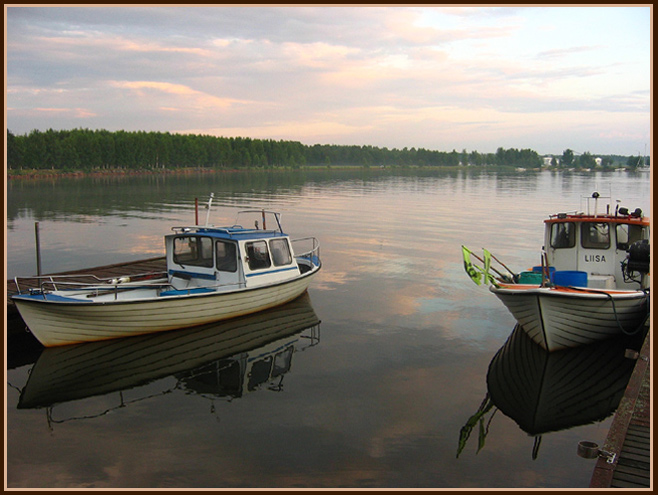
<point>227,258</point>
<point>597,245</point>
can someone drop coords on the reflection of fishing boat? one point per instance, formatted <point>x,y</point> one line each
<point>551,391</point>
<point>545,392</point>
<point>238,351</point>
<point>593,282</point>
<point>213,273</point>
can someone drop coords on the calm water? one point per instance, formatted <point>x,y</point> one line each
<point>367,382</point>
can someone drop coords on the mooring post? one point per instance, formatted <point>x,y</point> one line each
<point>36,234</point>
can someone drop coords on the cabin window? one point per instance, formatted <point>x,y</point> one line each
<point>194,251</point>
<point>282,362</point>
<point>627,235</point>
<point>258,256</point>
<point>259,373</point>
<point>226,255</point>
<point>563,235</point>
<point>280,252</point>
<point>595,235</point>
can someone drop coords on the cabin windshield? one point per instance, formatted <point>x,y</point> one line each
<point>627,235</point>
<point>258,255</point>
<point>563,235</point>
<point>226,256</point>
<point>280,252</point>
<point>193,251</point>
<point>595,235</point>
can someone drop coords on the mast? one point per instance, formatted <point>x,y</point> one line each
<point>212,195</point>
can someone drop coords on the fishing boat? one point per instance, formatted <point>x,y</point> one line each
<point>593,281</point>
<point>213,273</point>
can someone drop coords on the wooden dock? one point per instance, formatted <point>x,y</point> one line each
<point>629,438</point>
<point>150,265</point>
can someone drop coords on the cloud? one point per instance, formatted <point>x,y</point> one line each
<point>41,113</point>
<point>305,131</point>
<point>189,98</point>
<point>562,52</point>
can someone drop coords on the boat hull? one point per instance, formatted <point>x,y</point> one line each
<point>558,317</point>
<point>56,323</point>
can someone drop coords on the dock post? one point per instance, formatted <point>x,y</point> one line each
<point>36,234</point>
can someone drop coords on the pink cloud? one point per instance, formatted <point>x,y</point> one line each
<point>189,97</point>
<point>81,113</point>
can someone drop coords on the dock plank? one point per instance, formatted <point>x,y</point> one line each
<point>633,471</point>
<point>630,435</point>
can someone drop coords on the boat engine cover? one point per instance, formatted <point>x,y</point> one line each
<point>639,254</point>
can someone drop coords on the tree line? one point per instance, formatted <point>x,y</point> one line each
<point>84,150</point>
<point>569,159</point>
<point>88,150</point>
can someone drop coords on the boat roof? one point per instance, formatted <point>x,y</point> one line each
<point>234,232</point>
<point>237,231</point>
<point>621,215</point>
<point>605,217</point>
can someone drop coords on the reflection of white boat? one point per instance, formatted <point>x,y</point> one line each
<point>545,392</point>
<point>212,274</point>
<point>237,351</point>
<point>593,282</point>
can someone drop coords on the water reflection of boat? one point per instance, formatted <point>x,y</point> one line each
<point>545,392</point>
<point>241,353</point>
<point>551,391</point>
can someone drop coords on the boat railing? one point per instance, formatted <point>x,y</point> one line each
<point>95,286</point>
<point>83,280</point>
<point>565,214</point>
<point>310,249</point>
<point>263,217</point>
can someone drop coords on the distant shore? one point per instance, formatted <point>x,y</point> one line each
<point>57,174</point>
<point>33,174</point>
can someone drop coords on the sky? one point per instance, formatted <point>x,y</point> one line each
<point>547,78</point>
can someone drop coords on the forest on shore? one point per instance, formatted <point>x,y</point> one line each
<point>84,150</point>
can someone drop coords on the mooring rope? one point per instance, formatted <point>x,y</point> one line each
<point>614,309</point>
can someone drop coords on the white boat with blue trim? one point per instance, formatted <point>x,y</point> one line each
<point>213,273</point>
<point>593,282</point>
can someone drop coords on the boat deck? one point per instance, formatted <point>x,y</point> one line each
<point>130,268</point>
<point>629,436</point>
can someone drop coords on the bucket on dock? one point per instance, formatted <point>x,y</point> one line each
<point>572,278</point>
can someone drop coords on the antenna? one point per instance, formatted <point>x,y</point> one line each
<point>212,195</point>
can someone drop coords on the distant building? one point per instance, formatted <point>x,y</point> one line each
<point>548,160</point>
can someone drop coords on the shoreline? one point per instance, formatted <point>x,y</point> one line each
<point>56,174</point>
<point>35,174</point>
